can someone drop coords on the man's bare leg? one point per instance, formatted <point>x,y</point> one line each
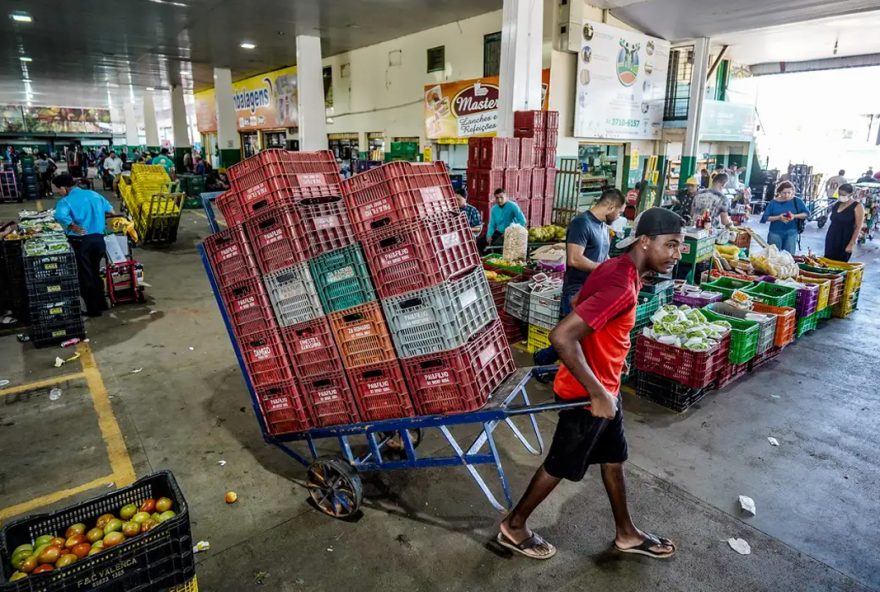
<point>514,526</point>
<point>628,536</point>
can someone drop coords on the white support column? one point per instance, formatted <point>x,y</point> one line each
<point>522,33</point>
<point>228,140</point>
<point>179,127</point>
<point>691,143</point>
<point>311,114</point>
<point>150,126</point>
<point>132,137</point>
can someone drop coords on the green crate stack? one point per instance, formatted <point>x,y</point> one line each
<point>726,286</point>
<point>648,305</point>
<point>773,294</point>
<point>695,250</point>
<point>403,151</point>
<point>807,324</point>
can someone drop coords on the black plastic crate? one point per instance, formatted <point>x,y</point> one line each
<point>157,560</point>
<point>53,290</point>
<point>45,316</point>
<point>47,267</point>
<point>668,393</point>
<point>53,333</point>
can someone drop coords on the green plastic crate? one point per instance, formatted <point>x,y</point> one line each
<point>192,203</point>
<point>743,336</point>
<point>648,305</point>
<point>342,279</point>
<point>807,324</point>
<point>695,250</point>
<point>825,313</point>
<point>773,294</point>
<point>726,286</point>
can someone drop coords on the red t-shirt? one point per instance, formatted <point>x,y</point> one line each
<point>607,303</point>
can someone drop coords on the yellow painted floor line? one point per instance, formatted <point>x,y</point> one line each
<point>45,500</point>
<point>120,462</point>
<point>32,386</point>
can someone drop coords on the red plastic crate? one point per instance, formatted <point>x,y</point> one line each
<point>547,217</point>
<point>314,161</point>
<point>525,183</point>
<point>230,255</point>
<point>265,357</point>
<point>329,399</point>
<point>551,138</point>
<point>511,153</point>
<point>271,156</point>
<point>538,179</point>
<point>420,254</point>
<point>380,391</point>
<point>550,182</point>
<point>474,153</point>
<point>539,155</point>
<point>482,183</point>
<point>536,212</point>
<point>525,205</point>
<point>526,153</point>
<point>230,207</point>
<point>483,206</point>
<point>761,359</point>
<point>461,379</point>
<point>249,308</point>
<point>362,336</point>
<point>275,238</point>
<point>312,348</point>
<point>283,408</point>
<point>493,153</point>
<point>550,157</point>
<point>728,373</point>
<point>324,224</point>
<point>398,192</point>
<point>689,368</point>
<point>551,120</point>
<point>511,183</point>
<point>263,189</point>
<point>528,119</point>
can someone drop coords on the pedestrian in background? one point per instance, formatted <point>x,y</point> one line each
<point>475,220</point>
<point>847,218</point>
<point>783,213</point>
<point>503,214</point>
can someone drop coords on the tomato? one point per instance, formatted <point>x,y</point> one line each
<point>96,534</point>
<point>114,538</point>
<point>95,551</point>
<point>148,525</point>
<point>163,504</point>
<point>78,528</point>
<point>127,511</point>
<point>49,555</point>
<point>74,540</point>
<point>140,517</point>
<point>58,542</point>
<point>29,565</point>
<point>65,560</point>
<point>43,568</point>
<point>19,575</point>
<point>81,550</point>
<point>103,519</point>
<point>43,540</point>
<point>114,525</point>
<point>149,506</point>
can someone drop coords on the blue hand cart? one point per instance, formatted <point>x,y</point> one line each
<point>334,483</point>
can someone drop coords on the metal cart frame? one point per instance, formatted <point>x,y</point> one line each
<point>333,481</point>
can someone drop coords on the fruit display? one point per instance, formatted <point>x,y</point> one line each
<point>547,234</point>
<point>49,552</point>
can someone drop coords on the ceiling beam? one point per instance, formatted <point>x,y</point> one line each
<point>717,61</point>
<point>860,61</point>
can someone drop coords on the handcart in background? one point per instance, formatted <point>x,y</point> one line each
<point>334,481</point>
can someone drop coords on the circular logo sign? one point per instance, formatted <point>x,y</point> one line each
<point>628,63</point>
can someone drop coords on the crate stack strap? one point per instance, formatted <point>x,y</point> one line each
<point>440,313</point>
<point>53,290</point>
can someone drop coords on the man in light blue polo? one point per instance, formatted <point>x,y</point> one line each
<point>83,213</point>
<point>503,214</point>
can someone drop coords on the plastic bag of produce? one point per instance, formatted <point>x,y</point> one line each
<point>516,243</point>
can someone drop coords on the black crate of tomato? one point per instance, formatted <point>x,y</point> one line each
<point>153,560</point>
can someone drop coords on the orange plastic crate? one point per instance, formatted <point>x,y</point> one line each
<point>786,322</point>
<point>362,335</point>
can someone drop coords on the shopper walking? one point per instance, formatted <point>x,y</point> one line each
<point>475,220</point>
<point>783,213</point>
<point>503,214</point>
<point>45,168</point>
<point>76,163</point>
<point>714,201</point>
<point>833,183</point>
<point>847,217</point>
<point>113,168</point>
<point>593,342</point>
<point>587,242</point>
<point>83,213</point>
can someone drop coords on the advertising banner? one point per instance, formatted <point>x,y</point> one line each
<point>14,118</point>
<point>467,107</point>
<point>261,102</point>
<point>620,85</point>
<point>723,121</point>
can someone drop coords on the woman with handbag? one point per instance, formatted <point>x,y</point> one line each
<point>785,214</point>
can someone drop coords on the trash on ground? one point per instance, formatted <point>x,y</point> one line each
<point>776,396</point>
<point>773,441</point>
<point>7,320</point>
<point>55,394</point>
<point>201,546</point>
<point>231,497</point>
<point>740,546</point>
<point>747,505</point>
<point>75,356</point>
<point>22,338</point>
<point>137,371</point>
<point>58,362</point>
<point>260,576</point>
<point>70,342</point>
<point>3,382</point>
<point>221,462</point>
<point>191,348</point>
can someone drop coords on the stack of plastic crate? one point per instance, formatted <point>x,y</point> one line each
<point>9,187</point>
<point>540,129</point>
<point>53,290</point>
<point>154,210</point>
<point>437,302</point>
<point>30,184</point>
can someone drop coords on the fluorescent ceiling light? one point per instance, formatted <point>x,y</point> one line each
<point>150,88</point>
<point>25,59</point>
<point>247,45</point>
<point>21,17</point>
<point>169,3</point>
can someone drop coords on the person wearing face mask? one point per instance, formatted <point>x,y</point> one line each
<point>847,217</point>
<point>783,213</point>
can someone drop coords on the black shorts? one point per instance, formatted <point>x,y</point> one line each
<point>582,440</point>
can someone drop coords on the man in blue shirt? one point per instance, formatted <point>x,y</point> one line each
<point>475,221</point>
<point>503,214</point>
<point>83,215</point>
<point>587,243</point>
<point>164,160</point>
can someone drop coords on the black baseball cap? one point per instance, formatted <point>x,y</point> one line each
<point>653,222</point>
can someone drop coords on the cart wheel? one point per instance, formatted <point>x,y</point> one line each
<point>395,442</point>
<point>335,487</point>
<point>821,221</point>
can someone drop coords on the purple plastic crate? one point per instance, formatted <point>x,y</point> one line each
<point>698,300</point>
<point>807,300</point>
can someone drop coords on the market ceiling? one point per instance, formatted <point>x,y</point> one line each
<point>70,49</point>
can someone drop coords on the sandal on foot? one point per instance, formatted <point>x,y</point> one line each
<point>529,546</point>
<point>651,540</point>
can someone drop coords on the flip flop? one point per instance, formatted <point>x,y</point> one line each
<point>528,546</point>
<point>651,540</point>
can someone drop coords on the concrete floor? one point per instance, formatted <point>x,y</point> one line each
<point>816,494</point>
